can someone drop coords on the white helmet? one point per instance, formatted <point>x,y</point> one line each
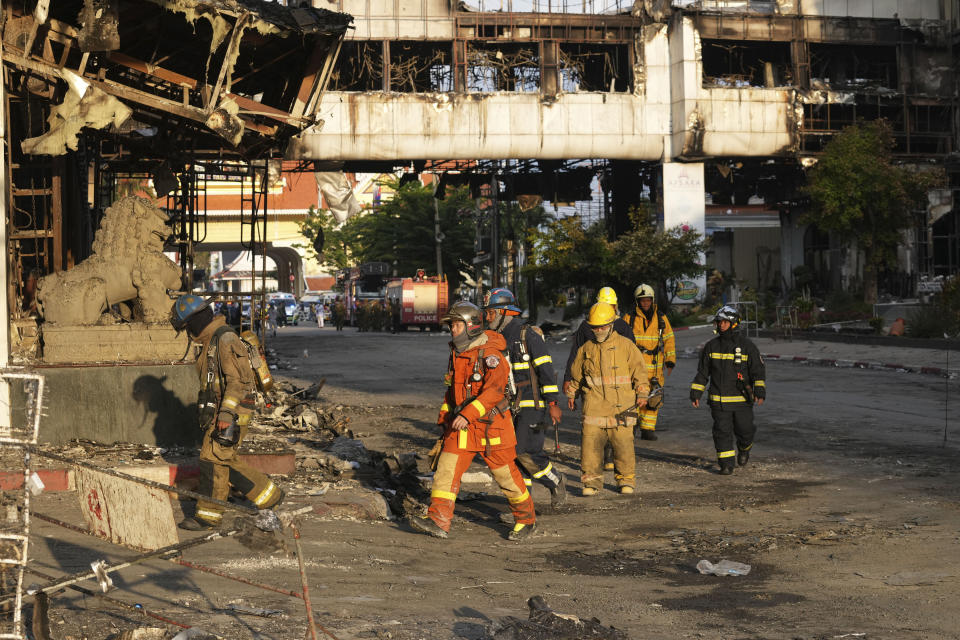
<point>643,291</point>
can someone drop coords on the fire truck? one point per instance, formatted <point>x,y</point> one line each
<point>361,285</point>
<point>423,300</point>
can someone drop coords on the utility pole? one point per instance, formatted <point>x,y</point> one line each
<point>495,232</point>
<point>437,234</point>
<point>5,418</point>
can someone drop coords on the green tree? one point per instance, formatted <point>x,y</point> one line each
<point>858,192</point>
<point>339,239</point>
<point>401,231</point>
<point>655,256</point>
<point>518,230</point>
<point>564,253</point>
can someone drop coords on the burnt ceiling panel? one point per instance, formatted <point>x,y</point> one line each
<point>238,76</point>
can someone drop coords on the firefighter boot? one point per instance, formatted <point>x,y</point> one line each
<point>522,532</point>
<point>427,526</point>
<point>608,457</point>
<point>193,524</point>
<point>726,467</point>
<point>647,434</point>
<point>743,456</point>
<point>558,494</point>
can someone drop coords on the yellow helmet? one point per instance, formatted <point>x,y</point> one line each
<point>608,295</point>
<point>600,314</point>
<point>643,291</point>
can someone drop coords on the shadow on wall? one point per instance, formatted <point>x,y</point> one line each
<point>174,423</point>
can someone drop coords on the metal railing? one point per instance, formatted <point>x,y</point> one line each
<point>22,394</point>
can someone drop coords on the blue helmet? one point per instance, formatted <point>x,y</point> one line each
<point>501,298</point>
<point>187,305</point>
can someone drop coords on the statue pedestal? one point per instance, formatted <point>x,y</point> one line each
<point>139,343</point>
<point>145,403</point>
<point>118,383</point>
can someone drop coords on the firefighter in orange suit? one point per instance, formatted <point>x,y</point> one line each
<point>475,417</point>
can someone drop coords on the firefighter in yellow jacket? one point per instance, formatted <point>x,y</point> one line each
<point>475,416</point>
<point>226,401</point>
<point>654,336</point>
<point>612,377</point>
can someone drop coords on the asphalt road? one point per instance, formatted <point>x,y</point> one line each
<point>847,515</point>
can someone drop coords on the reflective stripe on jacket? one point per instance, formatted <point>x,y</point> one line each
<point>611,375</point>
<point>538,361</point>
<point>718,365</point>
<point>489,426</point>
<point>647,335</point>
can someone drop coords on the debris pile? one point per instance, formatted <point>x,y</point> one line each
<point>546,624</point>
<point>328,452</point>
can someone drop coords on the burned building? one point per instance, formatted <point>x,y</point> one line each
<point>751,91</point>
<point>105,100</point>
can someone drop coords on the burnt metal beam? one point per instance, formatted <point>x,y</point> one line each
<point>229,59</point>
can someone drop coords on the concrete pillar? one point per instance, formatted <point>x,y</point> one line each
<point>5,421</point>
<point>791,247</point>
<point>626,193</point>
<point>684,205</point>
<point>549,68</point>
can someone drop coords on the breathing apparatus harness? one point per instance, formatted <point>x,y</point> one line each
<point>744,387</point>
<point>479,369</point>
<point>655,398</point>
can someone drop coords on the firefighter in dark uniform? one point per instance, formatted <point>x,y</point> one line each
<point>536,391</point>
<point>475,417</point>
<point>226,402</point>
<point>735,371</point>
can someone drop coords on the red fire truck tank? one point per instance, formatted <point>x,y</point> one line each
<point>423,301</point>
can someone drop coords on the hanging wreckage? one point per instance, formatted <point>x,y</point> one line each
<point>173,75</point>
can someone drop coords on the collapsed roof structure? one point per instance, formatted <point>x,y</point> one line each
<point>193,73</point>
<point>102,93</point>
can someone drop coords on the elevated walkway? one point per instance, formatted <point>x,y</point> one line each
<point>619,126</point>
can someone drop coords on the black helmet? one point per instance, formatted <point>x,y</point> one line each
<point>728,313</point>
<point>469,314</point>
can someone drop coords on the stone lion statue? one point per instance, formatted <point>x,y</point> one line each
<point>127,266</point>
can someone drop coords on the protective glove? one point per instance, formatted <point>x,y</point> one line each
<point>227,433</point>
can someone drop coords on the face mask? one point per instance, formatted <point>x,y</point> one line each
<point>461,342</point>
<point>602,335</point>
<point>500,322</point>
<point>199,321</point>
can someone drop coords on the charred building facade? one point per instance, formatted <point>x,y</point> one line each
<point>751,90</point>
<point>104,99</point>
<point>105,104</point>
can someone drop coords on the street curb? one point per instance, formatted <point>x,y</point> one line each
<point>182,475</point>
<point>694,326</point>
<point>862,364</point>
